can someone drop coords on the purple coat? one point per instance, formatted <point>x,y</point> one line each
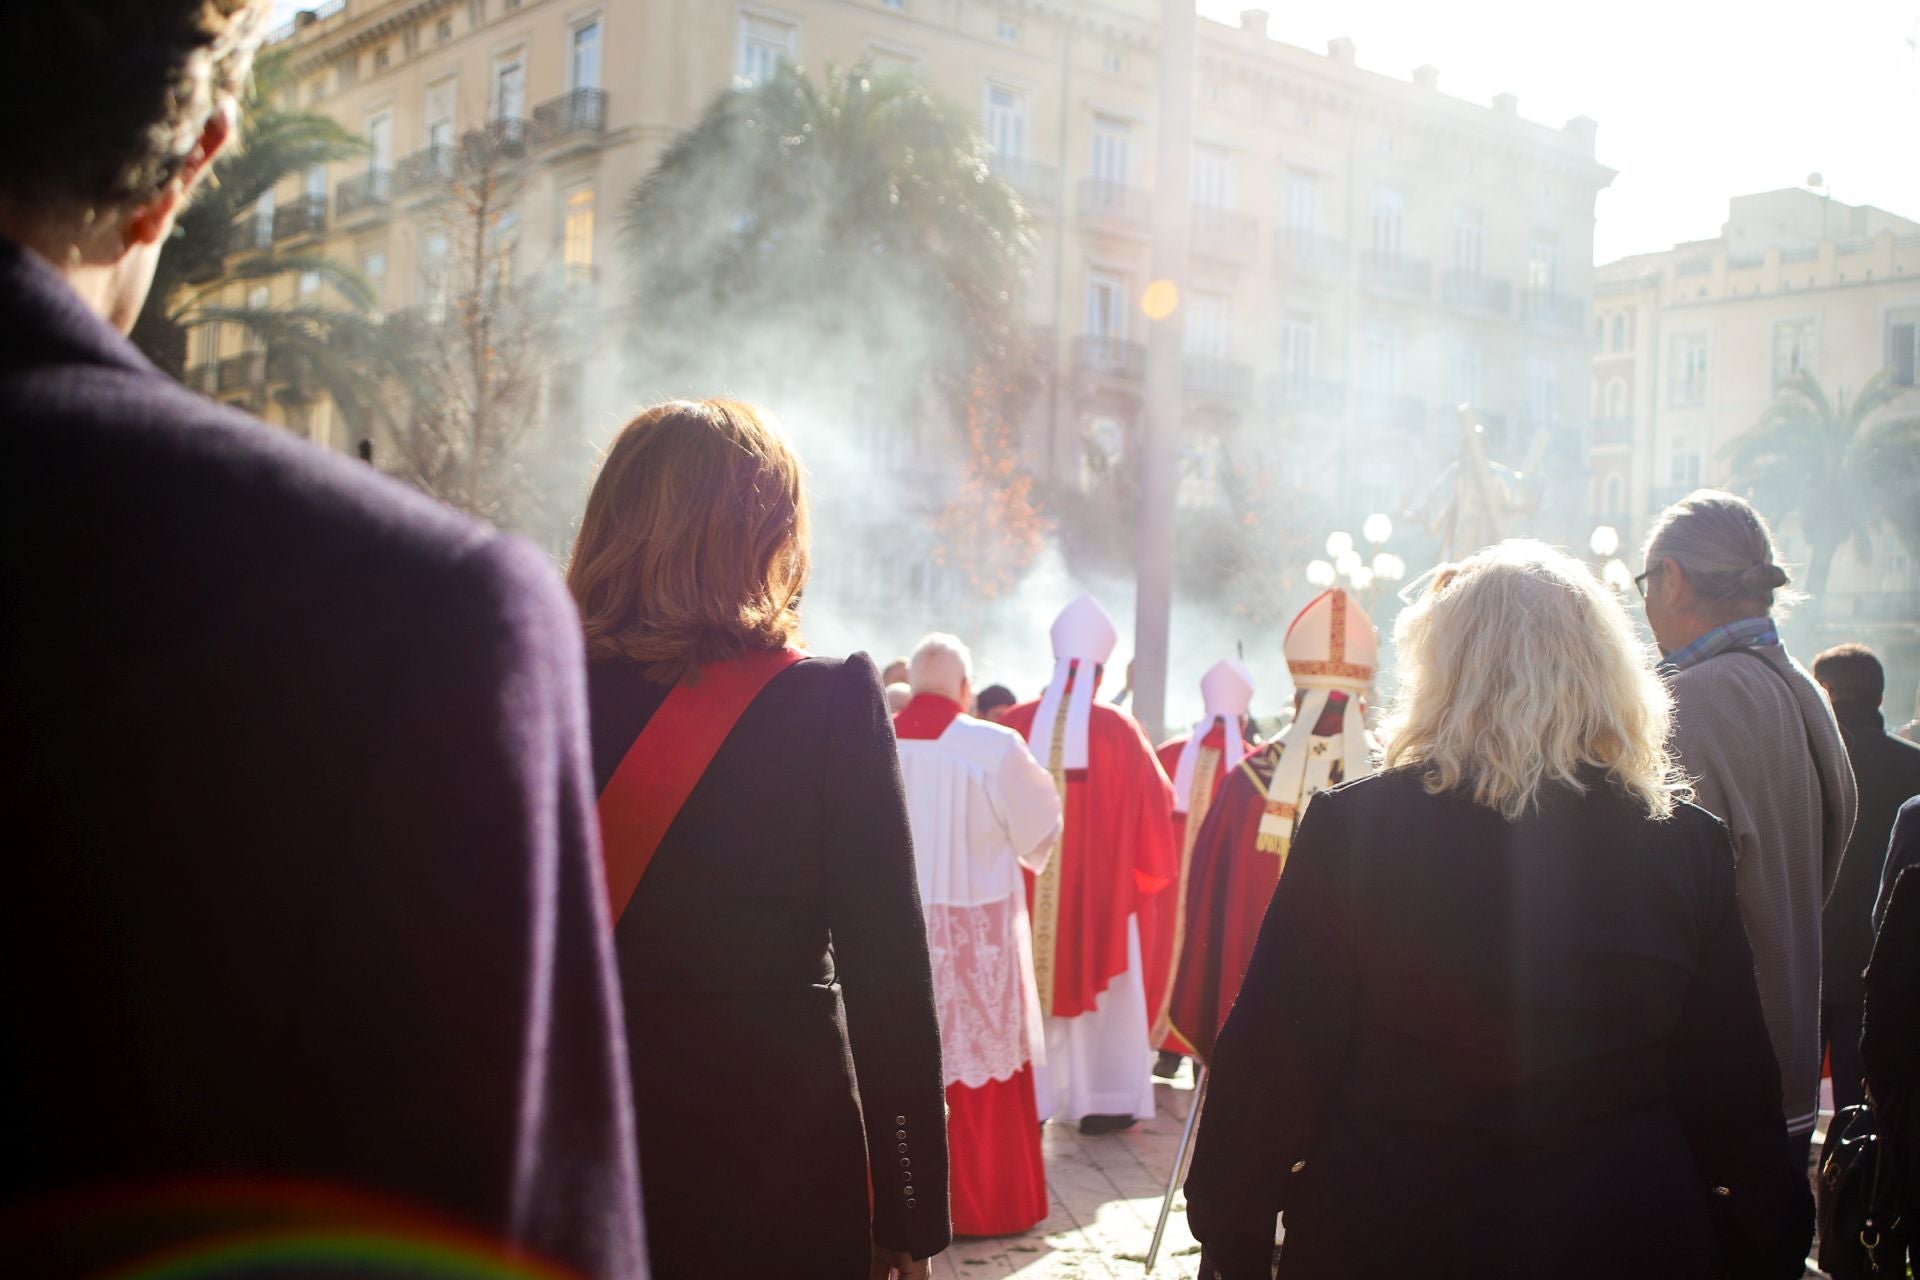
<point>301,877</point>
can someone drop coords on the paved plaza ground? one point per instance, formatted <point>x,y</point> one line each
<point>1106,1192</point>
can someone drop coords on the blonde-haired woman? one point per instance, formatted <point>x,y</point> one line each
<point>1502,1018</point>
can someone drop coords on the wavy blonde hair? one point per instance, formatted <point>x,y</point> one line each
<point>1516,670</point>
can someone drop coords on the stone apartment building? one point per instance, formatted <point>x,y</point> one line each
<point>1690,343</point>
<point>1368,252</point>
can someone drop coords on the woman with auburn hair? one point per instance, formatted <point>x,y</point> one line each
<point>773,956</point>
<point>1502,1019</point>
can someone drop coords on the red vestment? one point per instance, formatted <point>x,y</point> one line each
<point>1160,918</point>
<point>1116,853</point>
<point>1229,883</point>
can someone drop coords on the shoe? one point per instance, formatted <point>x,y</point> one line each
<point>1096,1125</point>
<point>1167,1065</point>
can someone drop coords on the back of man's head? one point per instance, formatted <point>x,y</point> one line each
<point>1851,675</point>
<point>108,99</point>
<point>940,665</point>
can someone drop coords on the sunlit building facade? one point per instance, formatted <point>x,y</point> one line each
<point>1368,252</point>
<point>1689,345</point>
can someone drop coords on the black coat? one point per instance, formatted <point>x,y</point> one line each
<point>1890,1035</point>
<point>1473,1047</point>
<point>301,880</point>
<point>774,961</point>
<point>1887,771</point>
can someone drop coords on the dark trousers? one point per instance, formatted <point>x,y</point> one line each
<point>1840,1028</point>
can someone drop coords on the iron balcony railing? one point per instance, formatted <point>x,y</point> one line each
<point>370,190</point>
<point>1115,203</point>
<point>1309,254</point>
<point>251,234</point>
<point>248,369</point>
<point>1475,292</point>
<point>1110,358</point>
<point>1554,311</point>
<point>430,166</point>
<point>302,216</point>
<point>581,113</point>
<point>1391,273</point>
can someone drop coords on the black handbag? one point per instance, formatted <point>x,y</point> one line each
<point>1862,1233</point>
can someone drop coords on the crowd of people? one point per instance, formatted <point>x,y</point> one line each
<point>372,886</point>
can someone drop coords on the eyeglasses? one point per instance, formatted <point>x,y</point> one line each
<point>1640,580</point>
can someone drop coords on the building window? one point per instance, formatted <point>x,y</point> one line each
<point>440,108</point>
<point>309,287</point>
<point>1543,391</point>
<point>1008,118</point>
<point>1469,242</point>
<point>263,214</point>
<point>1103,448</point>
<point>894,4</point>
<point>1613,496</point>
<point>1113,61</point>
<point>1795,348</point>
<point>583,67</point>
<point>1543,264</point>
<point>1687,370</point>
<point>1212,177</point>
<point>1107,305</point>
<point>1903,346</point>
<point>576,248</point>
<point>1300,201</point>
<point>1006,30</point>
<point>313,183</point>
<point>443,32</point>
<point>1622,334</point>
<point>258,299</point>
<point>1207,326</point>
<point>892,64</point>
<point>1112,147</point>
<point>373,267</point>
<point>1297,343</point>
<point>1389,223</point>
<point>764,45</point>
<point>206,345</point>
<point>510,86</point>
<point>1380,361</point>
<point>1616,405</point>
<point>380,142</point>
<point>1202,460</point>
<point>382,58</point>
<point>433,275</point>
<point>1683,466</point>
<point>503,249</point>
<point>1464,375</point>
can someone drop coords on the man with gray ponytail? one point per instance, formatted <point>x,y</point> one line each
<point>1760,740</point>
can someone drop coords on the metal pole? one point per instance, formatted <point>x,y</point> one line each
<point>1179,1167</point>
<point>1160,437</point>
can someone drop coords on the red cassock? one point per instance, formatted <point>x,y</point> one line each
<point>1117,853</point>
<point>1230,881</point>
<point>1160,923</point>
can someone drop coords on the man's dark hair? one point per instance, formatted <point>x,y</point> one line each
<point>994,695</point>
<point>106,98</point>
<point>1851,674</point>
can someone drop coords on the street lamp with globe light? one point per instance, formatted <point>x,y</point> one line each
<point>1604,542</point>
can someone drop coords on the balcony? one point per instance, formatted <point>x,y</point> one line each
<point>1309,255</point>
<point>1554,312</point>
<point>575,119</point>
<point>1613,431</point>
<point>242,372</point>
<point>1391,410</point>
<point>1307,395</point>
<point>252,234</point>
<point>1110,358</point>
<point>429,168</point>
<point>499,141</point>
<point>1224,235</point>
<point>204,378</point>
<point>1217,378</point>
<point>363,194</point>
<point>1116,205</point>
<point>1471,291</point>
<point>1038,184</point>
<point>304,216</point>
<point>1395,275</point>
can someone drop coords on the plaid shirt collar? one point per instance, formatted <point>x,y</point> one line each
<point>1747,633</point>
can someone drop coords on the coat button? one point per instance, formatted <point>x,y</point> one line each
<point>905,1163</point>
<point>903,1148</point>
<point>899,1119</point>
<point>909,1192</point>
<point>902,1135</point>
<point>911,1203</point>
<point>1722,1191</point>
<point>1298,1165</point>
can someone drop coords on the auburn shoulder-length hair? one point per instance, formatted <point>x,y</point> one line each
<point>693,548</point>
<point>1517,670</point>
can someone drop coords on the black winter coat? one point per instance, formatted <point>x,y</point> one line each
<point>1473,1047</point>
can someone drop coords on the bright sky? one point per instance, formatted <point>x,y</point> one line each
<point>1697,100</point>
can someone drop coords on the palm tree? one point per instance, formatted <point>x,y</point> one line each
<point>1828,461</point>
<point>807,236</point>
<point>305,346</point>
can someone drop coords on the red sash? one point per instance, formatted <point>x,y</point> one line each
<point>668,759</point>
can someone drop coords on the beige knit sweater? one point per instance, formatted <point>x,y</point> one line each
<point>1766,756</point>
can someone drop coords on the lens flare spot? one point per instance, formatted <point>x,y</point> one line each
<point>1161,299</point>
